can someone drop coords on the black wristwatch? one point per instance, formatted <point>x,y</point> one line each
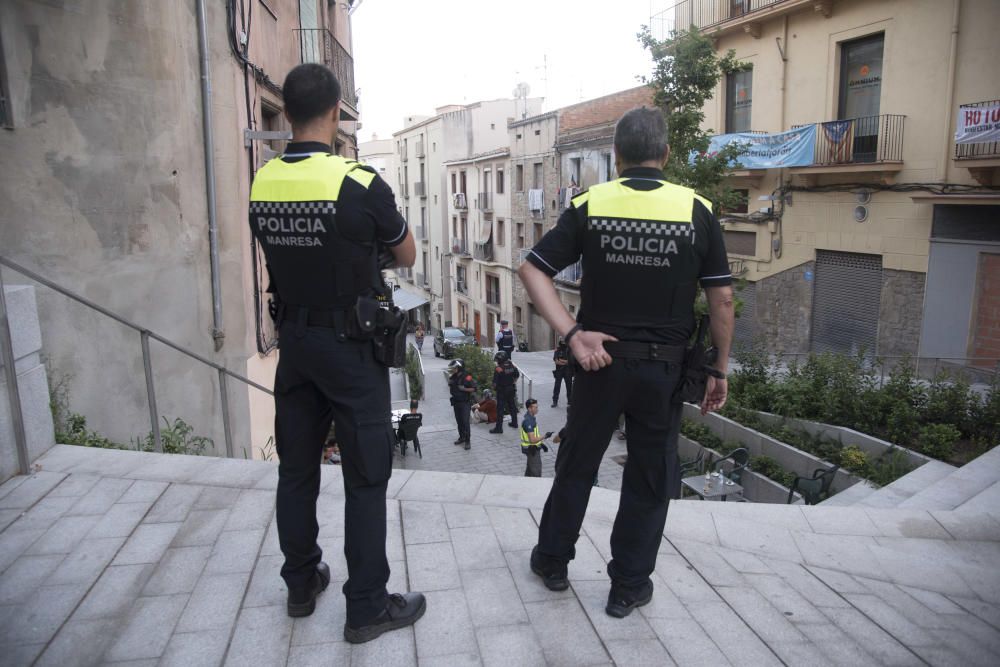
<point>572,332</point>
<point>715,372</point>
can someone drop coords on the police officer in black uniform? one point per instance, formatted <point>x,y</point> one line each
<point>645,244</point>
<point>322,221</point>
<point>462,387</point>
<point>563,372</point>
<point>505,339</point>
<point>505,376</point>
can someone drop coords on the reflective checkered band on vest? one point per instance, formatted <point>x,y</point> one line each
<point>642,227</point>
<point>293,207</point>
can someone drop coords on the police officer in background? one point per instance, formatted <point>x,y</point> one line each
<point>462,387</point>
<point>322,221</point>
<point>563,372</point>
<point>505,339</point>
<point>505,376</point>
<point>638,236</point>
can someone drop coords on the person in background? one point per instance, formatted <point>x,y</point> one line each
<point>531,440</point>
<point>486,409</point>
<point>462,386</point>
<point>505,375</point>
<point>418,335</point>
<point>505,339</point>
<point>563,372</point>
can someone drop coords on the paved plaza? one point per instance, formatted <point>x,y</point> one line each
<point>132,558</point>
<point>494,454</point>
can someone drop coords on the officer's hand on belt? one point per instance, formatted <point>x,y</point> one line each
<point>588,349</point>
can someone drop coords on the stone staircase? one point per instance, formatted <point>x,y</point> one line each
<point>933,486</point>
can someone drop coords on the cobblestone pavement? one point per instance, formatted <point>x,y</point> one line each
<point>493,454</point>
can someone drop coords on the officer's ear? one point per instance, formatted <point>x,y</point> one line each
<point>666,156</point>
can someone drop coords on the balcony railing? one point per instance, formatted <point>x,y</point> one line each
<point>420,232</point>
<point>708,13</point>
<point>872,139</point>
<point>493,297</point>
<point>485,201</point>
<point>318,45</point>
<point>405,273</point>
<point>460,201</point>
<point>420,189</point>
<point>421,279</point>
<point>981,150</point>
<point>571,275</point>
<point>459,246</point>
<point>461,287</point>
<point>420,149</point>
<point>483,251</point>
<point>405,190</point>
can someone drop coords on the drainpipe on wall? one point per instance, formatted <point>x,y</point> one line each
<point>218,335</point>
<point>950,97</point>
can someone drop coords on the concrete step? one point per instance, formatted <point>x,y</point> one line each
<point>891,495</point>
<point>985,501</point>
<point>960,486</point>
<point>850,495</point>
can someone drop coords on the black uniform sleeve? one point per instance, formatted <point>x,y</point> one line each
<point>390,227</point>
<point>715,263</point>
<point>563,244</point>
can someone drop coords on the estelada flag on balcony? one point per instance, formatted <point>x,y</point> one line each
<point>838,137</point>
<point>978,124</point>
<point>794,148</point>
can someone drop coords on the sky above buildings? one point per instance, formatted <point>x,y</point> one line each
<point>411,57</point>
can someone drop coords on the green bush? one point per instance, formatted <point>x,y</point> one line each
<point>938,440</point>
<point>413,374</point>
<point>177,438</point>
<point>771,469</point>
<point>853,458</point>
<point>479,363</point>
<point>949,401</point>
<point>75,432</point>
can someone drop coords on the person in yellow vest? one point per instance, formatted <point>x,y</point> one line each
<point>323,222</point>
<point>531,440</point>
<point>645,247</point>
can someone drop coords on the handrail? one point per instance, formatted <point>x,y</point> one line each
<point>144,336</point>
<point>524,377</point>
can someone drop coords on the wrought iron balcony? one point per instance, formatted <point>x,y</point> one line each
<point>713,16</point>
<point>460,201</point>
<point>483,251</point>
<point>421,279</point>
<point>459,246</point>
<point>485,201</point>
<point>420,189</point>
<point>493,297</point>
<point>979,151</point>
<point>461,287</point>
<point>420,148</point>
<point>571,275</point>
<point>318,45</point>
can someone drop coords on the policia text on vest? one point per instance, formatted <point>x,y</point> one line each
<point>294,215</point>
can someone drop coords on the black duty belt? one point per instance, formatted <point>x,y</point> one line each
<point>332,318</point>
<point>645,351</point>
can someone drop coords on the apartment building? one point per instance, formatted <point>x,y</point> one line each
<point>425,146</point>
<point>105,191</point>
<point>556,156</point>
<point>877,238</point>
<point>380,155</point>
<point>479,214</point>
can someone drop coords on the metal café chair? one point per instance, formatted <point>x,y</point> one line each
<point>815,489</point>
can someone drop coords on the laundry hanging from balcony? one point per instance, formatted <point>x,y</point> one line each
<point>485,231</point>
<point>794,148</point>
<point>536,200</point>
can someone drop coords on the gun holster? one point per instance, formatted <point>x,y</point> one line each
<point>694,376</point>
<point>389,339</point>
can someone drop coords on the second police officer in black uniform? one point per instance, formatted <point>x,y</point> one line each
<point>505,377</point>
<point>505,339</point>
<point>462,387</point>
<point>645,244</point>
<point>322,221</point>
<point>563,372</point>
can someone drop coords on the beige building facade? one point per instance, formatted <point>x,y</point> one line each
<point>863,247</point>
<point>106,176</point>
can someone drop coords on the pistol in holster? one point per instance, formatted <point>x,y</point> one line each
<point>696,368</point>
<point>384,327</point>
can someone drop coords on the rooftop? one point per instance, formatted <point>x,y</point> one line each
<point>111,556</point>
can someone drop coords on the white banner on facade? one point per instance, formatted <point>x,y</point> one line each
<point>977,125</point>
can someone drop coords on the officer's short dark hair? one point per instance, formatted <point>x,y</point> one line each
<point>310,91</point>
<point>641,135</point>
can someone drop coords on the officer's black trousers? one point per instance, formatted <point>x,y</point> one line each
<point>506,400</point>
<point>642,390</point>
<point>322,379</point>
<point>563,376</point>
<point>463,417</point>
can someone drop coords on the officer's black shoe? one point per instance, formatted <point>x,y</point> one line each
<point>302,601</point>
<point>555,404</point>
<point>468,445</point>
<point>553,576</point>
<point>460,441</point>
<point>400,611</point>
<point>621,600</point>
<point>496,430</point>
<point>512,424</point>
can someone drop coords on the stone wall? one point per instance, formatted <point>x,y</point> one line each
<point>33,386</point>
<point>901,312</point>
<point>783,311</point>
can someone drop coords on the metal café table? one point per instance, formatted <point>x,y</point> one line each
<point>717,487</point>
